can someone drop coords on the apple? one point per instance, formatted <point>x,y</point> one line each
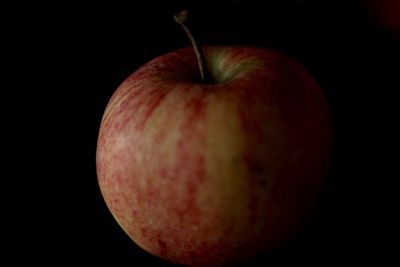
<point>214,173</point>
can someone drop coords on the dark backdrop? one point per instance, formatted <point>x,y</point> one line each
<point>69,58</point>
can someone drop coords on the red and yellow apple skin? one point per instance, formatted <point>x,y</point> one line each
<point>212,174</point>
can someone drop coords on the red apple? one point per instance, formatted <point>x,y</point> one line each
<point>210,174</point>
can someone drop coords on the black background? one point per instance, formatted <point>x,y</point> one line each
<point>66,60</point>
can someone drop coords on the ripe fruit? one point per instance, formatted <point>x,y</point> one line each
<point>210,174</point>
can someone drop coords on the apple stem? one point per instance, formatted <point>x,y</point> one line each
<point>180,18</point>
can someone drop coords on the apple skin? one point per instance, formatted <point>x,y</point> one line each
<point>214,174</point>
